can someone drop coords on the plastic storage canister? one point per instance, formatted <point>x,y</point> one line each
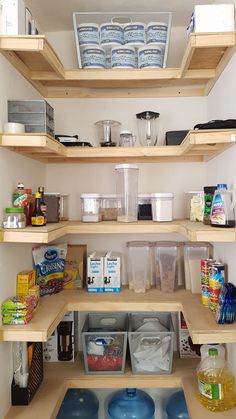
<point>176,407</point>
<point>194,205</point>
<point>93,56</point>
<point>88,33</point>
<point>64,207</point>
<point>144,207</point>
<point>14,218</point>
<point>90,207</point>
<point>165,265</point>
<point>127,139</point>
<point>162,206</point>
<point>127,192</point>
<point>193,254</point>
<point>139,269</point>
<point>109,207</point>
<point>81,403</point>
<point>131,404</point>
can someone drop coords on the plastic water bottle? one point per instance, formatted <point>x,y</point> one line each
<point>131,404</point>
<point>176,407</point>
<point>81,404</point>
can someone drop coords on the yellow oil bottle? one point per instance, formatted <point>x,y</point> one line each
<point>216,383</point>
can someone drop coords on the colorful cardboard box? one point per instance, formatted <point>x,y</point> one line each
<point>75,267</point>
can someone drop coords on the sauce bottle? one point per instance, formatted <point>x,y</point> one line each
<point>19,196</point>
<point>43,205</point>
<point>208,199</point>
<point>28,210</point>
<point>37,219</point>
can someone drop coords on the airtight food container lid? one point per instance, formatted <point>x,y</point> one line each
<point>163,195</point>
<point>126,166</point>
<point>90,195</point>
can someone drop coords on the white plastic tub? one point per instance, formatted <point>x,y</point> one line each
<point>162,206</point>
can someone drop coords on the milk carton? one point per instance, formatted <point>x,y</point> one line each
<point>95,262</point>
<point>112,265</point>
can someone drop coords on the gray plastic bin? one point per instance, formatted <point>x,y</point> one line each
<point>151,351</point>
<point>104,341</point>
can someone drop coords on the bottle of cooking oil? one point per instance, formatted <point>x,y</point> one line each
<point>216,382</point>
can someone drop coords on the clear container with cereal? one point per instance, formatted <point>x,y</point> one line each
<point>165,265</point>
<point>109,207</point>
<point>90,207</point>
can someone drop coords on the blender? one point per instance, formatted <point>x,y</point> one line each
<point>148,127</point>
<point>108,132</point>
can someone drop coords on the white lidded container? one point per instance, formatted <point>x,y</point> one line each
<point>93,56</point>
<point>156,33</point>
<point>111,34</point>
<point>88,33</point>
<point>109,207</point>
<point>162,206</point>
<point>127,192</point>
<point>123,57</point>
<point>90,207</point>
<point>134,33</point>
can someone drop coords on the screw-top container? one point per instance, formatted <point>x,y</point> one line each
<point>223,207</point>
<point>216,383</point>
<point>14,218</point>
<point>127,192</point>
<point>131,404</point>
<point>90,207</point>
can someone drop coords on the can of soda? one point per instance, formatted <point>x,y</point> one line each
<point>216,279</point>
<point>205,264</point>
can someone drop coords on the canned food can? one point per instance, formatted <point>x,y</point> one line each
<point>88,33</point>
<point>123,57</point>
<point>111,34</point>
<point>134,33</point>
<point>93,56</point>
<point>150,57</point>
<point>205,264</point>
<point>216,279</point>
<point>157,32</point>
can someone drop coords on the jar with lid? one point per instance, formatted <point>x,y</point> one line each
<point>109,207</point>
<point>127,139</point>
<point>14,218</point>
<point>90,207</point>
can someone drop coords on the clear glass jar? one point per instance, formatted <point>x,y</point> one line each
<point>90,207</point>
<point>109,208</point>
<point>14,218</point>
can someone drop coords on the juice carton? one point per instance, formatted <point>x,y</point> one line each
<point>95,282</point>
<point>112,266</point>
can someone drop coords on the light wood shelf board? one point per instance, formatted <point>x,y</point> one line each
<point>201,322</point>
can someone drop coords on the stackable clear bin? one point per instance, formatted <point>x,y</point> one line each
<point>165,265</point>
<point>151,351</point>
<point>193,254</point>
<point>139,265</point>
<point>104,340</point>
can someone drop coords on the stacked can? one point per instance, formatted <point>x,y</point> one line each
<point>205,265</point>
<point>216,279</point>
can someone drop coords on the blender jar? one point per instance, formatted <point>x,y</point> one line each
<point>108,132</point>
<point>148,127</point>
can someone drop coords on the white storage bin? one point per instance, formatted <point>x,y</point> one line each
<point>90,207</point>
<point>162,206</point>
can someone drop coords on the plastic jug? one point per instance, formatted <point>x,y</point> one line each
<point>79,403</point>
<point>223,207</point>
<point>176,407</point>
<point>205,350</point>
<point>131,404</point>
<point>216,383</point>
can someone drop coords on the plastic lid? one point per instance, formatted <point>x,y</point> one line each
<point>222,186</point>
<point>14,210</point>
<point>125,132</point>
<point>20,185</point>
<point>126,166</point>
<point>195,192</point>
<point>162,195</point>
<point>90,195</point>
<point>147,115</point>
<point>108,196</point>
<point>144,195</point>
<point>138,244</point>
<point>209,189</point>
<point>213,352</point>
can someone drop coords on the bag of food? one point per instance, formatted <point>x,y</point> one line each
<point>50,263</point>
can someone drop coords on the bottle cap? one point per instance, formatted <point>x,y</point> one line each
<point>222,186</point>
<point>14,210</point>
<point>38,195</point>
<point>41,189</point>
<point>20,185</point>
<point>213,352</point>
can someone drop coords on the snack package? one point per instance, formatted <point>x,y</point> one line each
<point>27,302</point>
<point>50,263</point>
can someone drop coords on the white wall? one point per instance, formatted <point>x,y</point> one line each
<point>13,168</point>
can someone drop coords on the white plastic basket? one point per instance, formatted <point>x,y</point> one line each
<point>122,17</point>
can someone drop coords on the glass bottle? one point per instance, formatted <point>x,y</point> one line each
<point>37,219</point>
<point>29,208</point>
<point>43,205</point>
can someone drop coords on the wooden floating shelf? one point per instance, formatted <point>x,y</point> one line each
<point>201,322</point>
<point>61,376</point>
<point>204,59</point>
<point>193,231</point>
<point>198,145</point>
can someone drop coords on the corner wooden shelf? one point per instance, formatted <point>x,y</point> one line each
<point>201,322</point>
<point>198,145</point>
<point>61,376</point>
<point>205,57</point>
<point>192,231</point>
